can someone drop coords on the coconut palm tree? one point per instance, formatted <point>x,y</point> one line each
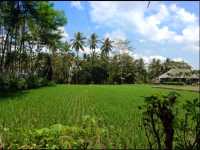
<point>93,43</point>
<point>78,43</point>
<point>67,47</point>
<point>106,47</point>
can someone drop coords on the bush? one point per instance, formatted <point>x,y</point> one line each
<point>158,119</point>
<point>11,82</point>
<point>165,128</point>
<point>188,126</point>
<point>35,81</point>
<point>22,84</point>
<point>32,81</point>
<point>4,83</point>
<point>51,83</point>
<point>8,82</point>
<point>88,135</point>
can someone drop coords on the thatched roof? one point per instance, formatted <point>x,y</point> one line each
<point>179,73</point>
<point>194,76</point>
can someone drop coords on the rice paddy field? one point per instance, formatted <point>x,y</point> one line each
<point>116,105</point>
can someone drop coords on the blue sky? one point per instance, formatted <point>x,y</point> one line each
<point>165,29</point>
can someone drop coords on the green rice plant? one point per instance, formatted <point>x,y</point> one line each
<point>115,105</point>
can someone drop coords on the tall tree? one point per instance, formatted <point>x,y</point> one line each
<point>26,24</point>
<point>141,73</point>
<point>93,43</point>
<point>154,69</point>
<point>123,46</point>
<point>106,47</point>
<point>78,44</point>
<point>128,74</point>
<point>170,64</point>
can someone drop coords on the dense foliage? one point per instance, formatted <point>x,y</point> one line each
<point>26,28</point>
<point>165,129</point>
<point>33,53</point>
<point>88,135</point>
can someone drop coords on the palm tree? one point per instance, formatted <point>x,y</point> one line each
<point>67,47</point>
<point>106,47</point>
<point>77,44</point>
<point>148,4</point>
<point>93,41</point>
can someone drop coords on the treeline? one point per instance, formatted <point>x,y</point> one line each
<point>32,52</point>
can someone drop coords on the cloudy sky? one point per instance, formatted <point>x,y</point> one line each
<point>165,29</point>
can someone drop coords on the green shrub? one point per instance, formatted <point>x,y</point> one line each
<point>165,129</point>
<point>88,135</point>
<point>22,84</point>
<point>51,83</point>
<point>4,83</point>
<point>188,126</point>
<point>13,83</point>
<point>158,118</point>
<point>34,81</point>
<point>39,82</point>
<point>8,82</point>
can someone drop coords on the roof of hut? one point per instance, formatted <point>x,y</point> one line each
<point>178,73</point>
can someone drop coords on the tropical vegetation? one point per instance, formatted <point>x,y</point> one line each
<point>34,54</point>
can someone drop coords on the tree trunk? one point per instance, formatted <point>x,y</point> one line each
<point>77,64</point>
<point>167,120</point>
<point>4,50</point>
<point>155,131</point>
<point>169,138</point>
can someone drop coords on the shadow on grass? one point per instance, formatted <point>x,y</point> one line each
<point>11,94</point>
<point>4,95</point>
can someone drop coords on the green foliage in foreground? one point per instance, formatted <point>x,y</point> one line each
<point>161,121</point>
<point>88,135</point>
<point>116,105</point>
<point>158,119</point>
<point>188,127</point>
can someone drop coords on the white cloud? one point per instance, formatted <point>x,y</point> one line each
<point>114,13</point>
<point>152,23</point>
<point>182,14</point>
<point>178,59</point>
<point>64,33</point>
<point>141,41</point>
<point>116,34</point>
<point>76,4</point>
<point>148,59</point>
<point>189,37</point>
<point>87,50</point>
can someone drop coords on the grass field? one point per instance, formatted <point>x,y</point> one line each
<point>117,105</point>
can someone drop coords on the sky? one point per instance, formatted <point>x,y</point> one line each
<point>163,30</point>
